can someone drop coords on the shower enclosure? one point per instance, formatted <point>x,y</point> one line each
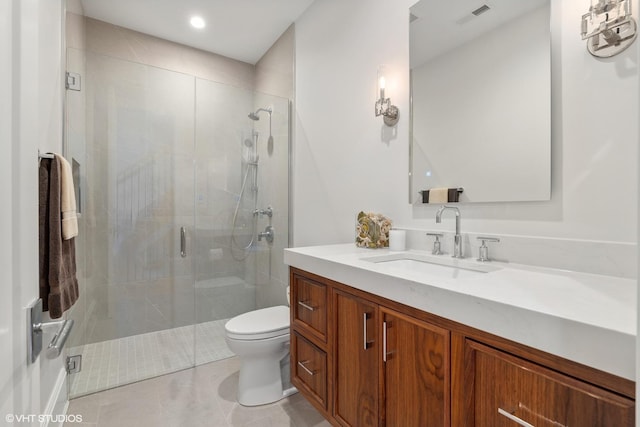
<point>183,208</point>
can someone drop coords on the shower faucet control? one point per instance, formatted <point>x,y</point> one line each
<point>268,234</point>
<point>262,212</point>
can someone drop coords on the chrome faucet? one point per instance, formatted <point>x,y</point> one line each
<point>457,239</point>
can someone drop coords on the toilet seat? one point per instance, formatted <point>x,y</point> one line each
<point>259,324</point>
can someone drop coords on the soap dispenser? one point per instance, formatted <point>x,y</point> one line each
<point>436,243</point>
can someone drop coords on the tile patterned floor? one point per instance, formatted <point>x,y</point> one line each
<point>126,360</point>
<point>200,396</point>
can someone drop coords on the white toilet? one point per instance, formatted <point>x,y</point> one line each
<point>261,340</point>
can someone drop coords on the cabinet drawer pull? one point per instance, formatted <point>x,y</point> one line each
<point>305,305</point>
<point>384,341</point>
<point>514,418</point>
<point>366,343</point>
<point>307,370</point>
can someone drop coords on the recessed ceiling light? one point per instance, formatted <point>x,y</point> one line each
<point>197,22</point>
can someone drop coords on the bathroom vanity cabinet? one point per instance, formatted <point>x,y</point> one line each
<point>363,360</point>
<point>507,390</point>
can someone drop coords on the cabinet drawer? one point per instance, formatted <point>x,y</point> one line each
<point>509,391</point>
<point>310,306</point>
<point>309,369</point>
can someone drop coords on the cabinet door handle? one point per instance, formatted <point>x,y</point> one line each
<point>365,342</point>
<point>514,418</point>
<point>307,370</point>
<point>384,342</point>
<point>305,305</point>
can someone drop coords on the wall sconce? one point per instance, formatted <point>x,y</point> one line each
<point>609,27</point>
<point>390,113</point>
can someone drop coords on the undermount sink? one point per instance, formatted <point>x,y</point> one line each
<point>432,265</point>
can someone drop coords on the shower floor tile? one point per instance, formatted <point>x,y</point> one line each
<point>113,363</point>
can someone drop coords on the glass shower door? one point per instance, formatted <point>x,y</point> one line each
<point>137,312</point>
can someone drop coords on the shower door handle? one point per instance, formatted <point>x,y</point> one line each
<point>183,242</point>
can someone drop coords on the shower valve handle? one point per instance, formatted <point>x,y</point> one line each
<point>268,234</point>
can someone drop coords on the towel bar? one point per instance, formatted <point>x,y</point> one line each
<point>459,190</point>
<point>45,155</point>
<point>36,328</point>
<point>424,194</point>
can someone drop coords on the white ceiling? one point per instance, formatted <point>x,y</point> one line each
<point>239,29</point>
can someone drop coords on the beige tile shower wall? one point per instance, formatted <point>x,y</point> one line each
<point>274,71</point>
<point>274,75</point>
<point>273,178</point>
<point>111,40</point>
<point>76,37</point>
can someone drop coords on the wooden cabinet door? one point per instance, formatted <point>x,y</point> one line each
<point>356,354</point>
<point>507,391</point>
<point>416,372</point>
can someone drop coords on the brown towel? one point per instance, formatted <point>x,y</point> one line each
<point>454,195</point>
<point>58,283</point>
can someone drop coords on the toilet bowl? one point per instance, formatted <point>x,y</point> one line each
<point>261,339</point>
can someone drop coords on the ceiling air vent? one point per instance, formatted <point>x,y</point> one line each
<point>482,9</point>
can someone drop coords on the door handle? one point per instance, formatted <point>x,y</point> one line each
<point>183,242</point>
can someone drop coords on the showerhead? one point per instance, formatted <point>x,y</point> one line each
<point>254,116</point>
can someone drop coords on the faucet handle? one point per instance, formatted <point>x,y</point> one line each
<point>436,243</point>
<point>483,252</point>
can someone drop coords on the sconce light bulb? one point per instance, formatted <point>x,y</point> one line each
<point>382,82</point>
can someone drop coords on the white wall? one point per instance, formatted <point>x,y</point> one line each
<point>346,160</point>
<point>7,31</point>
<point>638,293</point>
<point>31,111</point>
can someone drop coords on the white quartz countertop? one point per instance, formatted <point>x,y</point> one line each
<point>587,318</point>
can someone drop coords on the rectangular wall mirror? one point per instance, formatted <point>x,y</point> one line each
<point>481,99</point>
